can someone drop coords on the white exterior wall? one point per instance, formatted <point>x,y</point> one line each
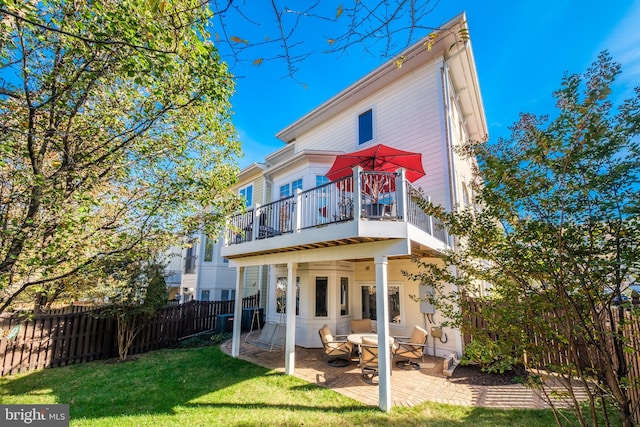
<point>407,115</point>
<point>458,136</point>
<point>419,111</point>
<point>410,309</point>
<point>214,275</point>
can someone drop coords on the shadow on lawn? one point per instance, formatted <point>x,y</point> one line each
<point>159,382</point>
<point>153,383</point>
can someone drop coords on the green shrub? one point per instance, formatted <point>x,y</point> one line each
<point>489,356</point>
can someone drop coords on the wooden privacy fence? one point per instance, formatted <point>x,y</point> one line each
<point>556,353</point>
<point>52,340</point>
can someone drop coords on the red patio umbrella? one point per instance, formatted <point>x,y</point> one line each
<point>380,158</point>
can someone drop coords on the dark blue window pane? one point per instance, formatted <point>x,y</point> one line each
<point>365,127</point>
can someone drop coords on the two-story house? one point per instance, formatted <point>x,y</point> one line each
<point>197,271</point>
<point>335,250</point>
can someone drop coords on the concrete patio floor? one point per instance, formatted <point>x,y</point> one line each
<point>408,387</point>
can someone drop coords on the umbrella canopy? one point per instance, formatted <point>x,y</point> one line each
<point>379,158</point>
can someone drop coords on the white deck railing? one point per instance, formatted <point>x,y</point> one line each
<point>365,195</point>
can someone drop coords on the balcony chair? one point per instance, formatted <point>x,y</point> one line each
<point>369,359</point>
<point>337,350</point>
<point>410,349</point>
<point>360,326</point>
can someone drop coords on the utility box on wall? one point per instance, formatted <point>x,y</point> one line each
<point>425,306</point>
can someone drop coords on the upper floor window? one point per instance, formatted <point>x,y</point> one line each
<point>321,179</point>
<point>296,185</point>
<point>247,193</point>
<point>365,127</point>
<point>287,190</point>
<point>227,294</point>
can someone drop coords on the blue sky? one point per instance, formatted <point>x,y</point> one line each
<point>522,49</point>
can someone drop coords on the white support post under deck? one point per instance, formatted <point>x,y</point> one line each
<point>237,313</point>
<point>290,305</point>
<point>384,351</point>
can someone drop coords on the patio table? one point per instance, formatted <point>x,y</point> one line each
<point>357,338</point>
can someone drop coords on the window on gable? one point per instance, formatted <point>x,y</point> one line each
<point>365,127</point>
<point>247,193</point>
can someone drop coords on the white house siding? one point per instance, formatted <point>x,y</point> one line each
<point>215,275</point>
<point>407,115</point>
<point>459,136</point>
<point>251,280</point>
<point>260,194</point>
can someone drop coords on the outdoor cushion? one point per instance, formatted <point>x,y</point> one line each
<point>411,350</point>
<point>338,353</point>
<point>418,336</point>
<point>359,326</point>
<point>325,334</point>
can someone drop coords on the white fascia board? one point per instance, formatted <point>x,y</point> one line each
<point>413,57</point>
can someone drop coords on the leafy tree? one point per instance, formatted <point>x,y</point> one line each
<point>557,242</point>
<point>135,291</point>
<point>115,136</point>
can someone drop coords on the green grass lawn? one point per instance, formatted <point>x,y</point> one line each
<point>205,387</point>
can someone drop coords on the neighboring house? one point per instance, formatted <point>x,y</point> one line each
<point>345,258</point>
<point>200,272</point>
<point>173,271</point>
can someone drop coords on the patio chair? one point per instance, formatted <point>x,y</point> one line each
<point>360,326</point>
<point>369,358</point>
<point>337,350</point>
<point>410,349</point>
